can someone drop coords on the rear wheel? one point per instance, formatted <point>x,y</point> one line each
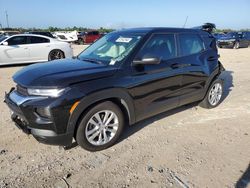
<point>55,54</point>
<point>214,95</point>
<point>100,127</point>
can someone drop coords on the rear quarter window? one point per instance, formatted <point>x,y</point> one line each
<point>190,44</point>
<point>37,40</point>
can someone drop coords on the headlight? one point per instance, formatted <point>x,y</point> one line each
<point>46,92</point>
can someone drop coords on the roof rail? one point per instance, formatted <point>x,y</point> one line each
<point>206,27</point>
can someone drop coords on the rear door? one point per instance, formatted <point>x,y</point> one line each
<point>194,62</point>
<point>156,86</point>
<point>16,51</point>
<point>39,48</point>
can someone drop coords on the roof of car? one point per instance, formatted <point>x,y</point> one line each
<point>145,30</point>
<point>31,35</point>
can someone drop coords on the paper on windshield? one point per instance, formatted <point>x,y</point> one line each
<point>112,62</point>
<point>123,39</point>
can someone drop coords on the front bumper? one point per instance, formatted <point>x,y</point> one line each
<point>227,44</point>
<point>42,130</point>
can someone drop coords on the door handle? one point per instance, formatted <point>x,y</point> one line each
<point>177,65</point>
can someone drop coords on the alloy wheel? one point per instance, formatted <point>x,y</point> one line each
<point>215,94</point>
<point>101,127</point>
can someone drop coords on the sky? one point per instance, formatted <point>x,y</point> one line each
<point>115,14</point>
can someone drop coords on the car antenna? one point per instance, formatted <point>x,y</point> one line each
<point>184,25</point>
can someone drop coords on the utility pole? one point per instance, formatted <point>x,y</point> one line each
<point>7,19</point>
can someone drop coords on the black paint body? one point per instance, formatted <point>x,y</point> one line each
<point>140,90</point>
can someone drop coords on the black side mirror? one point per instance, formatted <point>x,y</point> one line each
<point>147,61</point>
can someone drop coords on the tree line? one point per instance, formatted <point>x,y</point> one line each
<point>53,29</point>
<point>101,29</point>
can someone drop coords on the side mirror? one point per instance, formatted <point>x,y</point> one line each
<point>5,43</point>
<point>147,61</point>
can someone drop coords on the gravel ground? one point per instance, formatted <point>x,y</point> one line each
<point>185,147</point>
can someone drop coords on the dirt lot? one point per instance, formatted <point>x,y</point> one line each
<point>186,147</point>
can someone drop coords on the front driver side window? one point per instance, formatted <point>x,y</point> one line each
<point>161,46</point>
<point>18,40</point>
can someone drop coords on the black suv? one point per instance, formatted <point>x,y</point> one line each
<point>123,78</point>
<point>234,40</point>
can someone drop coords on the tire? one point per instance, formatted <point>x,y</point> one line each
<point>236,45</point>
<point>56,54</point>
<point>89,129</point>
<point>207,102</point>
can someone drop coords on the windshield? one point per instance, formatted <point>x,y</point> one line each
<point>111,48</point>
<point>2,38</point>
<point>233,35</point>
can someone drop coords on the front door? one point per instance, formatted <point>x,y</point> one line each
<point>156,87</point>
<point>16,51</point>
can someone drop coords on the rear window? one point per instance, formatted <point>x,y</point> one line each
<point>36,40</point>
<point>190,44</point>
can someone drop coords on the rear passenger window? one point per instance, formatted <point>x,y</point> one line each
<point>35,40</point>
<point>190,44</point>
<point>161,46</point>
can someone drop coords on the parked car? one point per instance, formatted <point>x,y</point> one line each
<point>233,40</point>
<point>29,48</point>
<point>88,37</point>
<point>217,36</point>
<point>8,33</point>
<point>66,36</point>
<point>47,34</point>
<point>121,79</point>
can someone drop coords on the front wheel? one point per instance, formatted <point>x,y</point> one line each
<point>100,127</point>
<point>214,95</point>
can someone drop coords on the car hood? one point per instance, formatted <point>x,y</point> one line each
<point>61,73</point>
<point>227,38</point>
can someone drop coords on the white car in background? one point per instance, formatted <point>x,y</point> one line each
<point>66,36</point>
<point>30,48</point>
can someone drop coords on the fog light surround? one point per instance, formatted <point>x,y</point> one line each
<point>43,112</point>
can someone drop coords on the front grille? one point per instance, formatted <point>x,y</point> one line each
<point>22,90</point>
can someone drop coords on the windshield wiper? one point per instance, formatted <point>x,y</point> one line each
<point>91,60</point>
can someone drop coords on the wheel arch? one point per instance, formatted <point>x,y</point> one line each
<point>118,96</point>
<point>214,75</point>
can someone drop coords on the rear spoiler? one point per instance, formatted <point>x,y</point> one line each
<point>206,27</point>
